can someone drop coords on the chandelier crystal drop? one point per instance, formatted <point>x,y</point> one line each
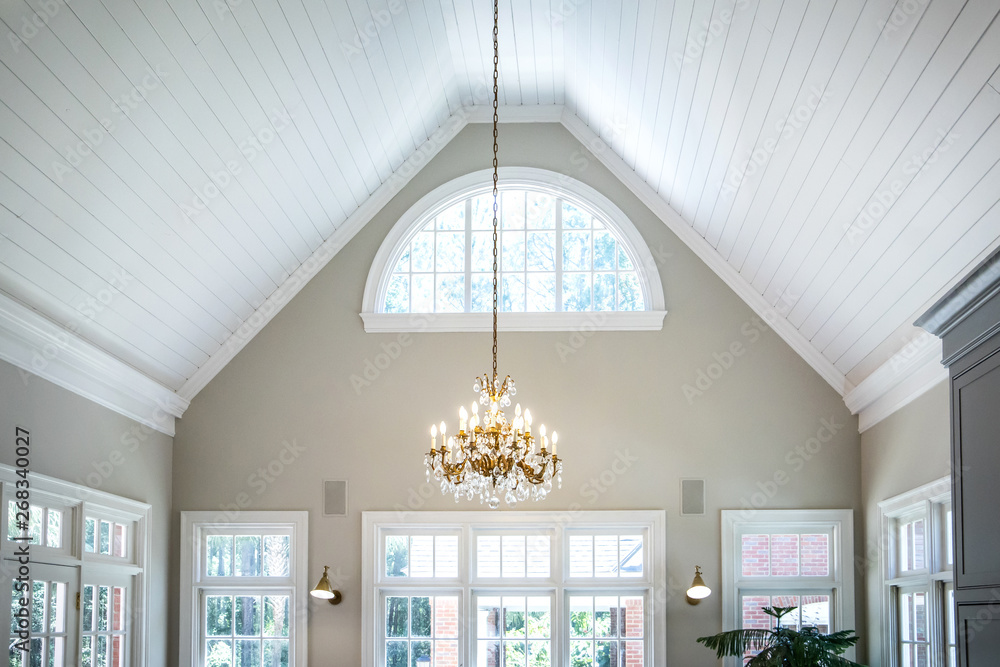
<point>491,457</point>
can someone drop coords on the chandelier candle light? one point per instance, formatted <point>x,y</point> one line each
<point>491,457</point>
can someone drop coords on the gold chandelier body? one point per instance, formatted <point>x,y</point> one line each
<point>492,457</point>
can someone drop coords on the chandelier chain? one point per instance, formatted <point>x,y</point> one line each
<point>496,148</point>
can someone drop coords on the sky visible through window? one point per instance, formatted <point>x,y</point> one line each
<point>554,256</point>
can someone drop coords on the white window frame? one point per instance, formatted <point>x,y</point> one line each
<point>929,502</point>
<point>550,182</point>
<point>840,580</point>
<point>196,525</point>
<point>78,502</point>
<point>652,584</point>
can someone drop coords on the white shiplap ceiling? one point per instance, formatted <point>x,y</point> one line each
<point>167,166</point>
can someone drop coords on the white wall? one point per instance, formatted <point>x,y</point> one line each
<point>618,397</point>
<point>906,450</point>
<point>79,441</point>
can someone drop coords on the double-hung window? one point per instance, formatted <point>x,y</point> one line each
<point>530,589</point>
<point>918,590</point>
<point>243,582</point>
<point>788,558</point>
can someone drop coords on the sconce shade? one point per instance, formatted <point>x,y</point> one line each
<point>324,591</point>
<point>698,590</point>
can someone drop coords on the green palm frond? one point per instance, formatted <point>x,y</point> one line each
<point>738,642</point>
<point>783,646</point>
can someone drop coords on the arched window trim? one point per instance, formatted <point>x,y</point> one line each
<point>476,183</point>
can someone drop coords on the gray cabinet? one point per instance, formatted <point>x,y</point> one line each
<point>968,321</point>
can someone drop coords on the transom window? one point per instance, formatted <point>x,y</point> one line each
<point>522,588</point>
<point>787,558</point>
<point>563,248</point>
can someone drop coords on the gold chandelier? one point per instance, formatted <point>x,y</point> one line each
<point>491,457</point>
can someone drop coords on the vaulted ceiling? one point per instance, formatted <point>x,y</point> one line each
<point>167,167</point>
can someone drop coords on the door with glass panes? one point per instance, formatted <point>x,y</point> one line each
<point>43,616</point>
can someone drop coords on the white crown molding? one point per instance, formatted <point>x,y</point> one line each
<point>639,320</point>
<point>327,251</point>
<point>41,347</point>
<point>908,374</point>
<point>537,113</point>
<point>704,250</point>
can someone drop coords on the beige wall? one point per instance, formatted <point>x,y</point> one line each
<point>908,449</point>
<point>76,440</point>
<point>617,397</point>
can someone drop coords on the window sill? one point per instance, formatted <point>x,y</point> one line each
<point>645,320</point>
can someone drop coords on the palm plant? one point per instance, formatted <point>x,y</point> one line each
<point>783,646</point>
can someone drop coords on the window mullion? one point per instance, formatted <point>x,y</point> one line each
<point>468,255</point>
<point>559,255</point>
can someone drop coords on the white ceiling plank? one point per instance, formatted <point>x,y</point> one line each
<point>326,127</point>
<point>90,59</point>
<point>67,240</point>
<point>888,238</point>
<point>924,239</point>
<point>692,56</point>
<point>578,89</point>
<point>105,220</point>
<point>133,348</point>
<point>745,43</point>
<point>744,122</point>
<point>882,94</point>
<point>665,56</point>
<point>892,147</point>
<point>565,20</point>
<point>414,37</point>
<point>628,27</point>
<point>101,298</point>
<point>850,96</point>
<point>260,209</point>
<point>262,241</point>
<point>819,45</point>
<point>518,39</point>
<point>645,57</point>
<point>548,37</point>
<point>726,34</point>
<point>91,121</point>
<point>429,16</point>
<point>338,86</point>
<point>597,57</point>
<point>286,150</point>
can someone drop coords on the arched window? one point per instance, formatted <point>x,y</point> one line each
<point>567,256</point>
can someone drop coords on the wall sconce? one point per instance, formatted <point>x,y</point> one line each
<point>324,591</point>
<point>698,590</point>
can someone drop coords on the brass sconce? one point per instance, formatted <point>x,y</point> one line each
<point>324,591</point>
<point>698,590</point>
